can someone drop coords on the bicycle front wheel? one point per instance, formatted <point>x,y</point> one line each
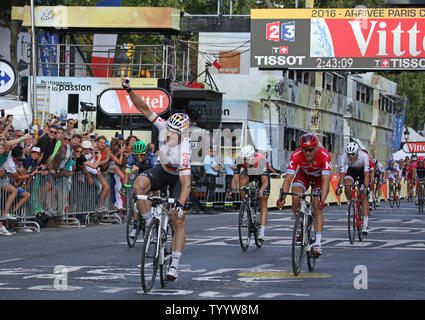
<point>420,200</point>
<point>351,221</point>
<point>397,198</point>
<point>244,226</point>
<point>298,244</point>
<point>150,256</point>
<point>131,224</point>
<point>391,197</point>
<point>166,250</point>
<point>311,259</point>
<point>255,217</point>
<point>359,222</point>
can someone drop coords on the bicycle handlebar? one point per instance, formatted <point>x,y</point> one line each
<point>156,199</point>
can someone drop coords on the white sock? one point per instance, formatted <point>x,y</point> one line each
<point>318,237</point>
<point>148,217</point>
<point>262,229</point>
<point>366,221</point>
<point>176,259</point>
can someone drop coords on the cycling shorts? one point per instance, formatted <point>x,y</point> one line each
<point>259,180</point>
<point>159,179</point>
<point>303,180</point>
<point>355,174</point>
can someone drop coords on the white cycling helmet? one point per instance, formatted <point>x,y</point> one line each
<point>247,151</point>
<point>352,148</point>
<point>178,122</point>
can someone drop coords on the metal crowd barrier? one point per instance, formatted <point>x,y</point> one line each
<point>24,218</point>
<point>199,190</point>
<point>74,202</point>
<point>63,201</point>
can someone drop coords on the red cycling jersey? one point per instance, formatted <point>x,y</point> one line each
<point>409,171</point>
<point>320,165</point>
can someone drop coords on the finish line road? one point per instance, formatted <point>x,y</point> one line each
<point>96,263</point>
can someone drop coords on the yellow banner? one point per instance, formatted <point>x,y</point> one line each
<point>354,13</point>
<point>100,17</point>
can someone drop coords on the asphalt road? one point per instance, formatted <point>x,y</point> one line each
<point>95,262</point>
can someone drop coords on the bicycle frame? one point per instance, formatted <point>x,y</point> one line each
<point>159,213</point>
<point>355,195</point>
<point>305,209</point>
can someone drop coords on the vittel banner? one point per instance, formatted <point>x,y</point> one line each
<point>330,39</point>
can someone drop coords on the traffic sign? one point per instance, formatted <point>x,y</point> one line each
<point>8,78</point>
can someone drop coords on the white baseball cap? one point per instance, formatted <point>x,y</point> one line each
<point>35,149</point>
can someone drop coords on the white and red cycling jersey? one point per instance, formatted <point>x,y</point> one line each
<point>173,159</point>
<point>258,166</point>
<point>321,164</point>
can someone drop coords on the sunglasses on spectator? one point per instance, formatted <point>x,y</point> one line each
<point>78,151</point>
<point>54,132</point>
<point>67,139</point>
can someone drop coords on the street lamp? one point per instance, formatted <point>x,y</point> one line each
<point>406,134</point>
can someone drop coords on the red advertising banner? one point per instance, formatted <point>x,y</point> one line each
<point>377,38</point>
<point>117,101</point>
<point>416,147</point>
<point>331,39</point>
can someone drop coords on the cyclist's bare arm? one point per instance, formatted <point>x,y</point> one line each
<point>325,186</point>
<point>184,195</point>
<point>366,180</point>
<point>138,102</point>
<point>341,178</point>
<point>286,184</point>
<point>264,184</point>
<point>235,181</point>
<point>126,177</point>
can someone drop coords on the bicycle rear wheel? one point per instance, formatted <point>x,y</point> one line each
<point>311,259</point>
<point>150,256</point>
<point>164,265</point>
<point>351,221</point>
<point>298,247</point>
<point>244,226</point>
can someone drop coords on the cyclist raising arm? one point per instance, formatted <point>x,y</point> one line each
<point>315,167</point>
<point>174,170</point>
<point>355,166</point>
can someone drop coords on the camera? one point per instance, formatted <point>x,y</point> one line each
<point>87,107</point>
<point>2,113</point>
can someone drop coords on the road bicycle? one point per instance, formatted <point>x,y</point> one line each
<point>302,235</point>
<point>248,225</point>
<point>355,213</point>
<point>157,244</point>
<point>394,193</point>
<point>421,190</point>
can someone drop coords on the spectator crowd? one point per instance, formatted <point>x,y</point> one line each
<point>60,151</point>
